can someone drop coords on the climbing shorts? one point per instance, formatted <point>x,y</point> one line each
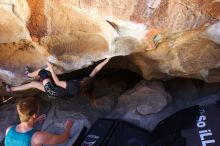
<point>73,87</point>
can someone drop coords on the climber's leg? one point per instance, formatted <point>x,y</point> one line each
<point>33,84</point>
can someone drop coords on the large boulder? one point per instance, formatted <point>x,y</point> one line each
<point>145,99</point>
<point>192,54</point>
<point>73,34</point>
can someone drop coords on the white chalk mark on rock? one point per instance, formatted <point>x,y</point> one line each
<point>6,73</point>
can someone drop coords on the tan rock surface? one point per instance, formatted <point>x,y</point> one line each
<point>15,56</point>
<point>73,34</point>
<point>11,27</point>
<point>186,54</point>
<point>210,7</point>
<point>37,24</point>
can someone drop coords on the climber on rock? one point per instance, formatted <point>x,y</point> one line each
<point>24,133</point>
<point>60,88</point>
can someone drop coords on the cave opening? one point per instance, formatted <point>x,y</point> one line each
<point>110,78</point>
<point>114,82</point>
<point>180,89</point>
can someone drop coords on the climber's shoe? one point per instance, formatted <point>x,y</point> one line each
<point>7,87</point>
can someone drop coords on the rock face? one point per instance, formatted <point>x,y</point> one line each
<point>144,99</point>
<point>8,117</point>
<point>192,54</point>
<point>73,34</point>
<point>18,55</point>
<point>13,31</point>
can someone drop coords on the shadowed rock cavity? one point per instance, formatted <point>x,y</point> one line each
<point>120,94</point>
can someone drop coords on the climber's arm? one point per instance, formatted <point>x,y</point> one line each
<point>55,78</point>
<point>99,67</point>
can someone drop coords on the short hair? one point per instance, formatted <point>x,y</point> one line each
<point>27,107</point>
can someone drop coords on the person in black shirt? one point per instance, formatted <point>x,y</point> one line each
<point>60,88</point>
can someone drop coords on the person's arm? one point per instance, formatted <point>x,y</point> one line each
<point>99,67</point>
<point>33,74</point>
<point>45,138</point>
<point>55,78</point>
